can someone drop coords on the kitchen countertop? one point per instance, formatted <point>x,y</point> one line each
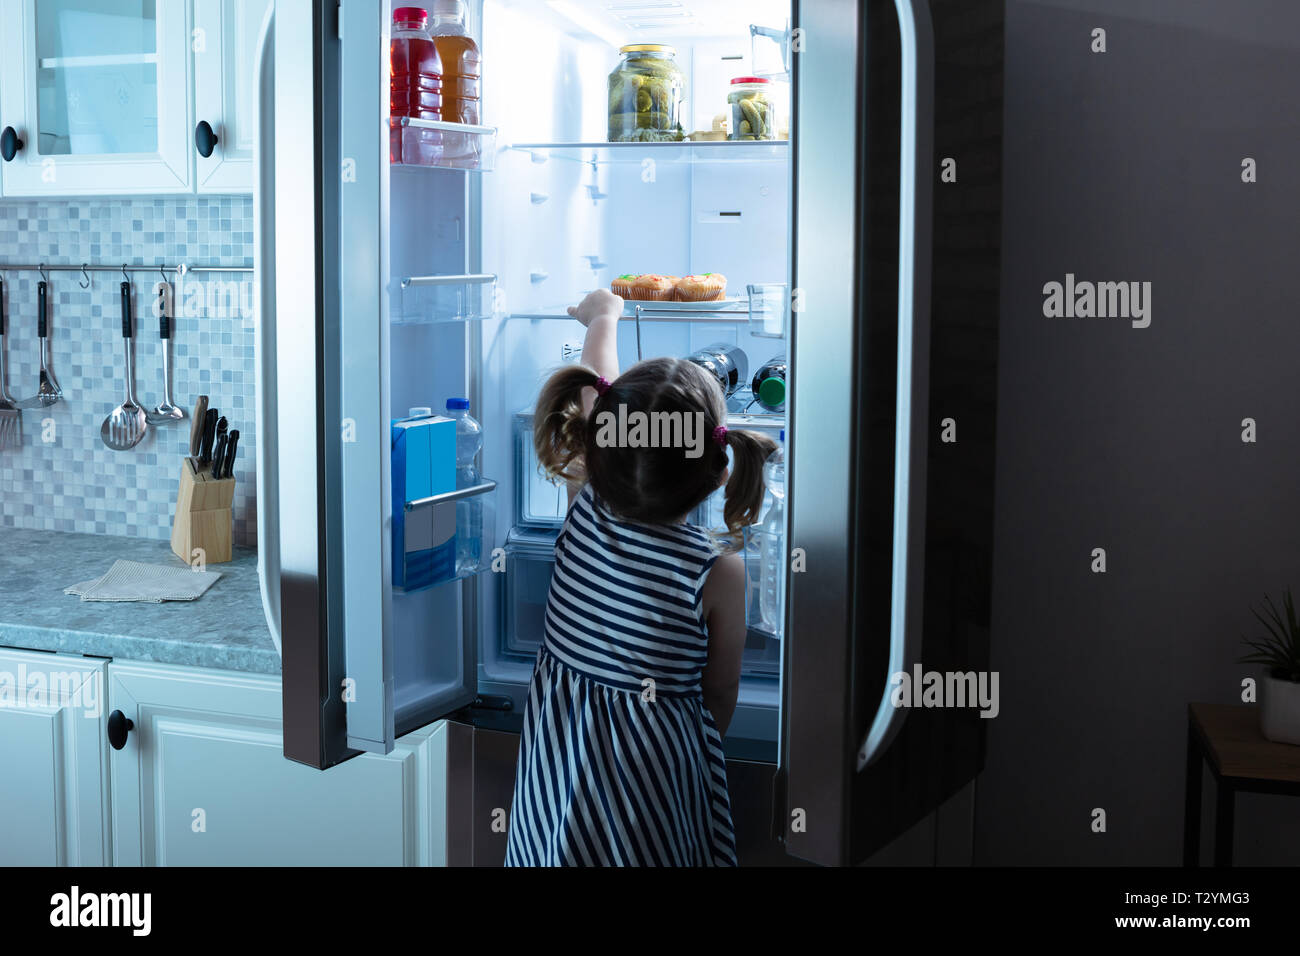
<point>225,628</point>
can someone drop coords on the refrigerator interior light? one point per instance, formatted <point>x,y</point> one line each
<point>587,22</point>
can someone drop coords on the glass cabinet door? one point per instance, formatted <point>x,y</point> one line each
<point>96,92</point>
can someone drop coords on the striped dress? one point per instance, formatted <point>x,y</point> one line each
<point>621,762</point>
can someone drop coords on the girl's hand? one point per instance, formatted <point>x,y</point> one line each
<point>601,304</point>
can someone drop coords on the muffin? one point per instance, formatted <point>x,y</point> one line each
<point>622,286</point>
<point>709,287</point>
<point>654,288</point>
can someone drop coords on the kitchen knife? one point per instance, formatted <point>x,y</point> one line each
<point>219,449</point>
<point>196,427</point>
<point>209,436</point>
<point>229,470</point>
<point>219,454</point>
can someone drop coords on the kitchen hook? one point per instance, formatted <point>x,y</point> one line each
<point>125,277</point>
<point>45,276</point>
<point>85,276</point>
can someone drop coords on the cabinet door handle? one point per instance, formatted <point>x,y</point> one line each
<point>119,725</point>
<point>205,138</point>
<point>10,144</point>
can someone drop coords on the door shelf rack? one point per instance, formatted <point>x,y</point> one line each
<point>428,520</point>
<point>432,300</point>
<point>434,144</point>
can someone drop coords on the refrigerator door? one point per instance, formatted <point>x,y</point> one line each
<point>340,629</point>
<point>268,544</point>
<point>890,524</point>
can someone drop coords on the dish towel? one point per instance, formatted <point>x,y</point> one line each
<point>152,583</point>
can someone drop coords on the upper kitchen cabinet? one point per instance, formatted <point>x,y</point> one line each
<point>94,97</point>
<point>226,34</point>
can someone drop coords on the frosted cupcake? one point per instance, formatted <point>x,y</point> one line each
<point>622,286</point>
<point>654,288</point>
<point>709,287</point>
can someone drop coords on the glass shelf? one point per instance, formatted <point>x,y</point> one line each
<point>727,311</point>
<point>434,144</point>
<point>765,309</point>
<point>602,154</point>
<point>429,300</point>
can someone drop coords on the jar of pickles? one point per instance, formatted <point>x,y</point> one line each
<point>646,94</point>
<point>752,113</point>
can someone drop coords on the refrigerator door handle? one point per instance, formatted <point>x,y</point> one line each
<point>915,228</point>
<point>268,525</point>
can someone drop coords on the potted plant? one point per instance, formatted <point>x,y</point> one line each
<point>1279,652</point>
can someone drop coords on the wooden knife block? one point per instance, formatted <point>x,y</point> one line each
<point>203,515</point>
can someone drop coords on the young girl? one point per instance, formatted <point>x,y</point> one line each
<point>621,759</point>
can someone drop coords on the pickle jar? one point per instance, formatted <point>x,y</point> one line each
<point>646,95</point>
<point>752,112</point>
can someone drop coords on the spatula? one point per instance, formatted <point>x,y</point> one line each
<point>126,424</point>
<point>11,419</point>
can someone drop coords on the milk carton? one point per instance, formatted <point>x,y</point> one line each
<point>424,465</point>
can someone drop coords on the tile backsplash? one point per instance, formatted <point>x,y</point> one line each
<point>62,477</point>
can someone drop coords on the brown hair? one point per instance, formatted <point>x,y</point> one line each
<point>653,485</point>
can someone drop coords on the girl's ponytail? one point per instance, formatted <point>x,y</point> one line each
<point>744,494</point>
<point>559,424</point>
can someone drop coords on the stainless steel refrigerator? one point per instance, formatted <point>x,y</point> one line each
<point>864,248</point>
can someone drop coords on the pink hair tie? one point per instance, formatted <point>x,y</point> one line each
<point>720,435</point>
<point>601,386</point>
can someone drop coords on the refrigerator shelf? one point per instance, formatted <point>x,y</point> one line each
<point>603,154</point>
<point>427,300</point>
<point>765,309</point>
<point>728,314</point>
<point>416,143</point>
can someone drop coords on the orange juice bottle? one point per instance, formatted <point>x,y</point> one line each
<point>460,62</point>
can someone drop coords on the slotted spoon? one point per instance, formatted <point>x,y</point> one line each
<point>126,424</point>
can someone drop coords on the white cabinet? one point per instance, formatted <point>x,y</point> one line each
<point>202,781</point>
<point>53,761</point>
<point>106,97</point>
<point>98,94</point>
<point>226,34</point>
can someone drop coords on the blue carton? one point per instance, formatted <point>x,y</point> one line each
<point>424,465</point>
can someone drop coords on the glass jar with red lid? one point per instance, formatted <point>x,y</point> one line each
<point>753,113</point>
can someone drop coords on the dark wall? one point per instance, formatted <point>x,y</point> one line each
<point>1127,166</point>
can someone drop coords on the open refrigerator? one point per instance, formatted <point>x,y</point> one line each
<point>388,287</point>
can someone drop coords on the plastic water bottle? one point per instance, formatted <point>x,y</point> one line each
<point>469,511</point>
<point>771,575</point>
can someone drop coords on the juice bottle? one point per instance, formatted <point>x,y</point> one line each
<point>460,62</point>
<point>416,87</point>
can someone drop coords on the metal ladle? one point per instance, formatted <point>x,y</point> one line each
<point>126,425</point>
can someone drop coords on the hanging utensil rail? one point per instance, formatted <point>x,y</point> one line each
<point>180,269</point>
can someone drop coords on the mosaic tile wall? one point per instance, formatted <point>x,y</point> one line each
<point>63,478</point>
